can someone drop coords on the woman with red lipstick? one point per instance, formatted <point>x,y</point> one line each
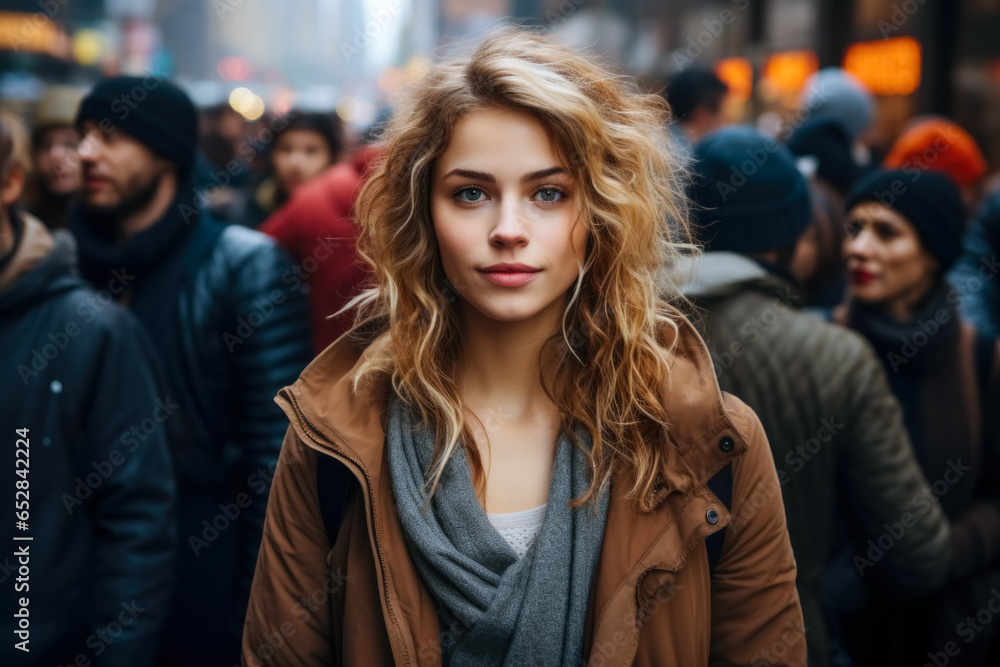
<point>520,434</point>
<point>903,234</point>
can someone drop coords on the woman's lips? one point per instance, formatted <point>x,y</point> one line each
<point>509,275</point>
<point>860,277</point>
<point>509,278</point>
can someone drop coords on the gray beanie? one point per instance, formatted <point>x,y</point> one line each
<point>833,93</point>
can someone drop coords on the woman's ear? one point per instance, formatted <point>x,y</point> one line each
<point>13,187</point>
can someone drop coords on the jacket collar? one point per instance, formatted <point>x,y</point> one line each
<point>323,406</point>
<point>720,274</point>
<point>44,264</point>
<point>32,242</point>
<point>329,416</point>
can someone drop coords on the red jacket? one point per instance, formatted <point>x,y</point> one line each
<point>316,226</point>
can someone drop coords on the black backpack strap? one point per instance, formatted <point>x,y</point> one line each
<point>721,484</point>
<point>332,486</point>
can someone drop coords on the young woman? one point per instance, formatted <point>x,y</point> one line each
<point>528,427</point>
<point>304,148</point>
<point>903,234</point>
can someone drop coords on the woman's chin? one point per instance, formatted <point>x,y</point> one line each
<point>866,295</point>
<point>511,313</point>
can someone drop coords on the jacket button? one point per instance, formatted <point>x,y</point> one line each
<point>712,517</point>
<point>726,444</point>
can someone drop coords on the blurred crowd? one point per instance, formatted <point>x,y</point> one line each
<point>164,271</point>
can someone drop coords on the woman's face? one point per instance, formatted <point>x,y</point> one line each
<point>886,262</point>
<point>507,217</point>
<point>57,163</point>
<point>299,156</point>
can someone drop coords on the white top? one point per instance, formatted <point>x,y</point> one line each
<point>519,528</point>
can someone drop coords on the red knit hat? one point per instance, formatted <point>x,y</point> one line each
<point>939,144</point>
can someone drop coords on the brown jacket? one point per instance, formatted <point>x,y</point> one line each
<point>653,601</point>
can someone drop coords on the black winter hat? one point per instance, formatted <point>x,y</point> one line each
<point>749,196</point>
<point>827,140</point>
<point>153,111</point>
<point>928,200</point>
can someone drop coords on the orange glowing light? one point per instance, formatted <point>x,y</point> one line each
<point>788,71</point>
<point>737,73</point>
<point>886,66</point>
<point>28,32</point>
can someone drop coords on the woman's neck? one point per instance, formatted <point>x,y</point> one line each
<point>903,307</point>
<point>501,369</point>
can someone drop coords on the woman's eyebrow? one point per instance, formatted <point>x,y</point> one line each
<point>468,173</point>
<point>490,178</point>
<point>542,173</point>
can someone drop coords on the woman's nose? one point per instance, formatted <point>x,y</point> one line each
<point>510,228</point>
<point>859,244</point>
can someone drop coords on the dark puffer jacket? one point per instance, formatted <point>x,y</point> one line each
<point>83,421</point>
<point>225,311</point>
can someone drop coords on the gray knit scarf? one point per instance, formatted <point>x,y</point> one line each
<point>494,608</point>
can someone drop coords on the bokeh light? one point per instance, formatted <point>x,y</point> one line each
<point>347,109</point>
<point>87,46</point>
<point>255,108</point>
<point>240,99</point>
<point>737,73</point>
<point>886,66</point>
<point>233,69</point>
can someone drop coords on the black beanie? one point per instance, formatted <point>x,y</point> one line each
<point>153,111</point>
<point>749,196</point>
<point>827,140</point>
<point>928,200</point>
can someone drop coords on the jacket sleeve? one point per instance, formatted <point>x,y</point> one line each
<point>133,510</point>
<point>974,277</point>
<point>281,226</point>
<point>276,350</point>
<point>887,486</point>
<point>291,568</point>
<point>756,615</point>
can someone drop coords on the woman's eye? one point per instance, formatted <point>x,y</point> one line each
<point>550,194</point>
<point>470,194</point>
<point>852,229</point>
<point>885,231</point>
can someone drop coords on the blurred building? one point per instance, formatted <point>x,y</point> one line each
<point>918,56</point>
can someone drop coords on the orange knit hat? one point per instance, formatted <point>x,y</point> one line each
<point>939,144</point>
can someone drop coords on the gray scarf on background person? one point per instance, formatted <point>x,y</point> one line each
<point>494,608</point>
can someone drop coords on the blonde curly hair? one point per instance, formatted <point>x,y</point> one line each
<point>605,370</point>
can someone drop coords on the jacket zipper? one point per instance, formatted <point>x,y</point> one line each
<point>317,436</point>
